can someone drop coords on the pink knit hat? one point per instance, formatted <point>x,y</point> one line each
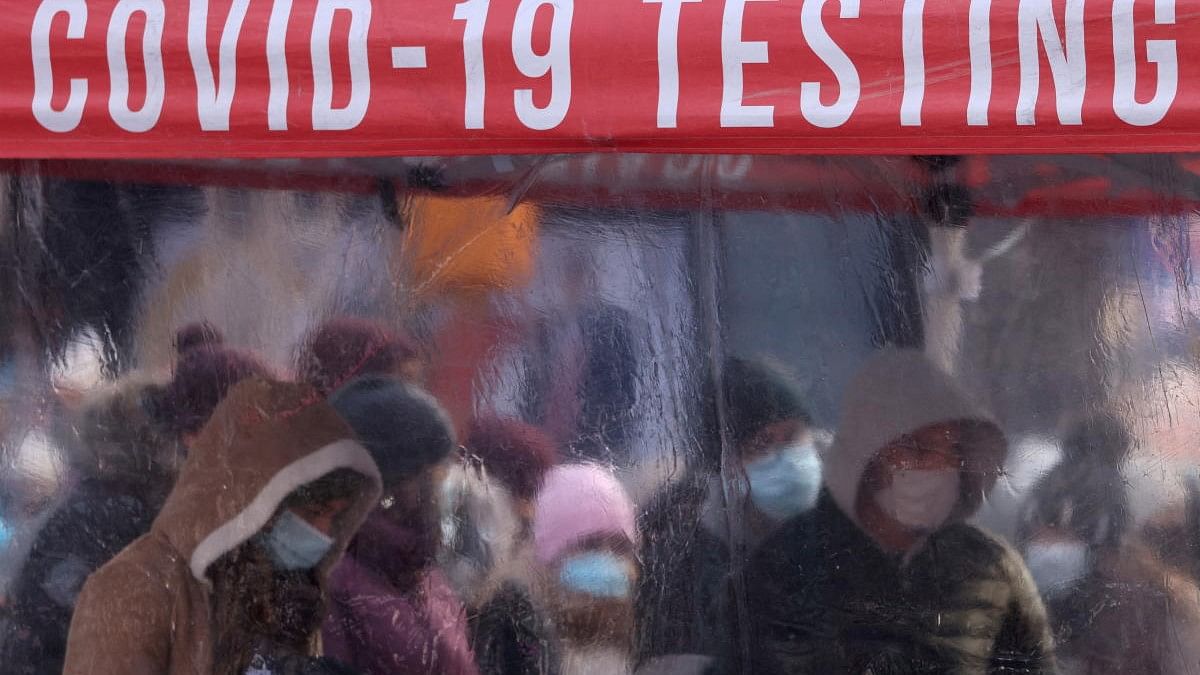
<point>578,501</point>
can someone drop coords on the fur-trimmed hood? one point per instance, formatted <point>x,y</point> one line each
<point>897,392</point>
<point>148,610</point>
<point>264,441</point>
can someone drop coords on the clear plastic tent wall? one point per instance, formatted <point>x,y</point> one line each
<point>654,317</point>
<point>542,337</point>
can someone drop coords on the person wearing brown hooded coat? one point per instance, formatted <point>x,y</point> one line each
<point>127,442</point>
<point>183,599</point>
<point>885,575</point>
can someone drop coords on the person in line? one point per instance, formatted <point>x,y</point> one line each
<point>205,370</point>
<point>344,348</point>
<point>1173,533</point>
<point>586,569</point>
<point>126,445</point>
<point>1113,607</point>
<point>701,529</point>
<point>885,575</point>
<point>392,610</point>
<point>32,486</point>
<point>480,529</point>
<point>230,579</point>
<point>582,375</point>
<point>494,547</point>
<point>517,454</point>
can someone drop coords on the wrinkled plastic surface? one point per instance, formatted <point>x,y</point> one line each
<point>599,300</point>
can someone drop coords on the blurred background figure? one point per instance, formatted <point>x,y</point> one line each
<point>1113,607</point>
<point>205,370</point>
<point>701,529</point>
<point>344,348</point>
<point>884,575</point>
<point>586,553</point>
<point>31,487</point>
<point>126,443</point>
<point>479,529</point>
<point>492,555</point>
<point>1173,534</point>
<point>583,383</point>
<point>517,454</point>
<point>120,468</point>
<point>392,610</point>
<point>231,578</point>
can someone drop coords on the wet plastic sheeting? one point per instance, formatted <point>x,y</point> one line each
<point>709,414</point>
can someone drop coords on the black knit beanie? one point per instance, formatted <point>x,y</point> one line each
<point>403,427</point>
<point>757,395</point>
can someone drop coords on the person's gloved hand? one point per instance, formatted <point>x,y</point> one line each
<point>295,664</point>
<point>328,666</point>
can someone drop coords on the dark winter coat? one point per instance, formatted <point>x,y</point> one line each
<point>698,541</point>
<point>88,530</point>
<point>830,600</point>
<point>510,637</point>
<point>681,599</point>
<point>826,598</point>
<point>123,468</point>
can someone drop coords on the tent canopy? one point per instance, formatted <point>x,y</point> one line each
<point>340,78</point>
<point>998,186</point>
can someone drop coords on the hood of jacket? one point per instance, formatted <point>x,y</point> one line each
<point>897,392</point>
<point>264,441</point>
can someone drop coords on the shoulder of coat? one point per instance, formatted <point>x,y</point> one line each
<point>979,549</point>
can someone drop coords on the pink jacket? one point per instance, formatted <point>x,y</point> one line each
<point>382,629</point>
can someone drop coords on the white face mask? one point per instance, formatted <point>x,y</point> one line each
<point>920,499</point>
<point>1057,565</point>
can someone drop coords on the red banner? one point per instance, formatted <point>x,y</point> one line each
<point>296,78</point>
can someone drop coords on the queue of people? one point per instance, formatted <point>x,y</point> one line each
<point>236,522</point>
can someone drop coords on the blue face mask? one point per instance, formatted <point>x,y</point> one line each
<point>6,534</point>
<point>599,574</point>
<point>294,544</point>
<point>786,482</point>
